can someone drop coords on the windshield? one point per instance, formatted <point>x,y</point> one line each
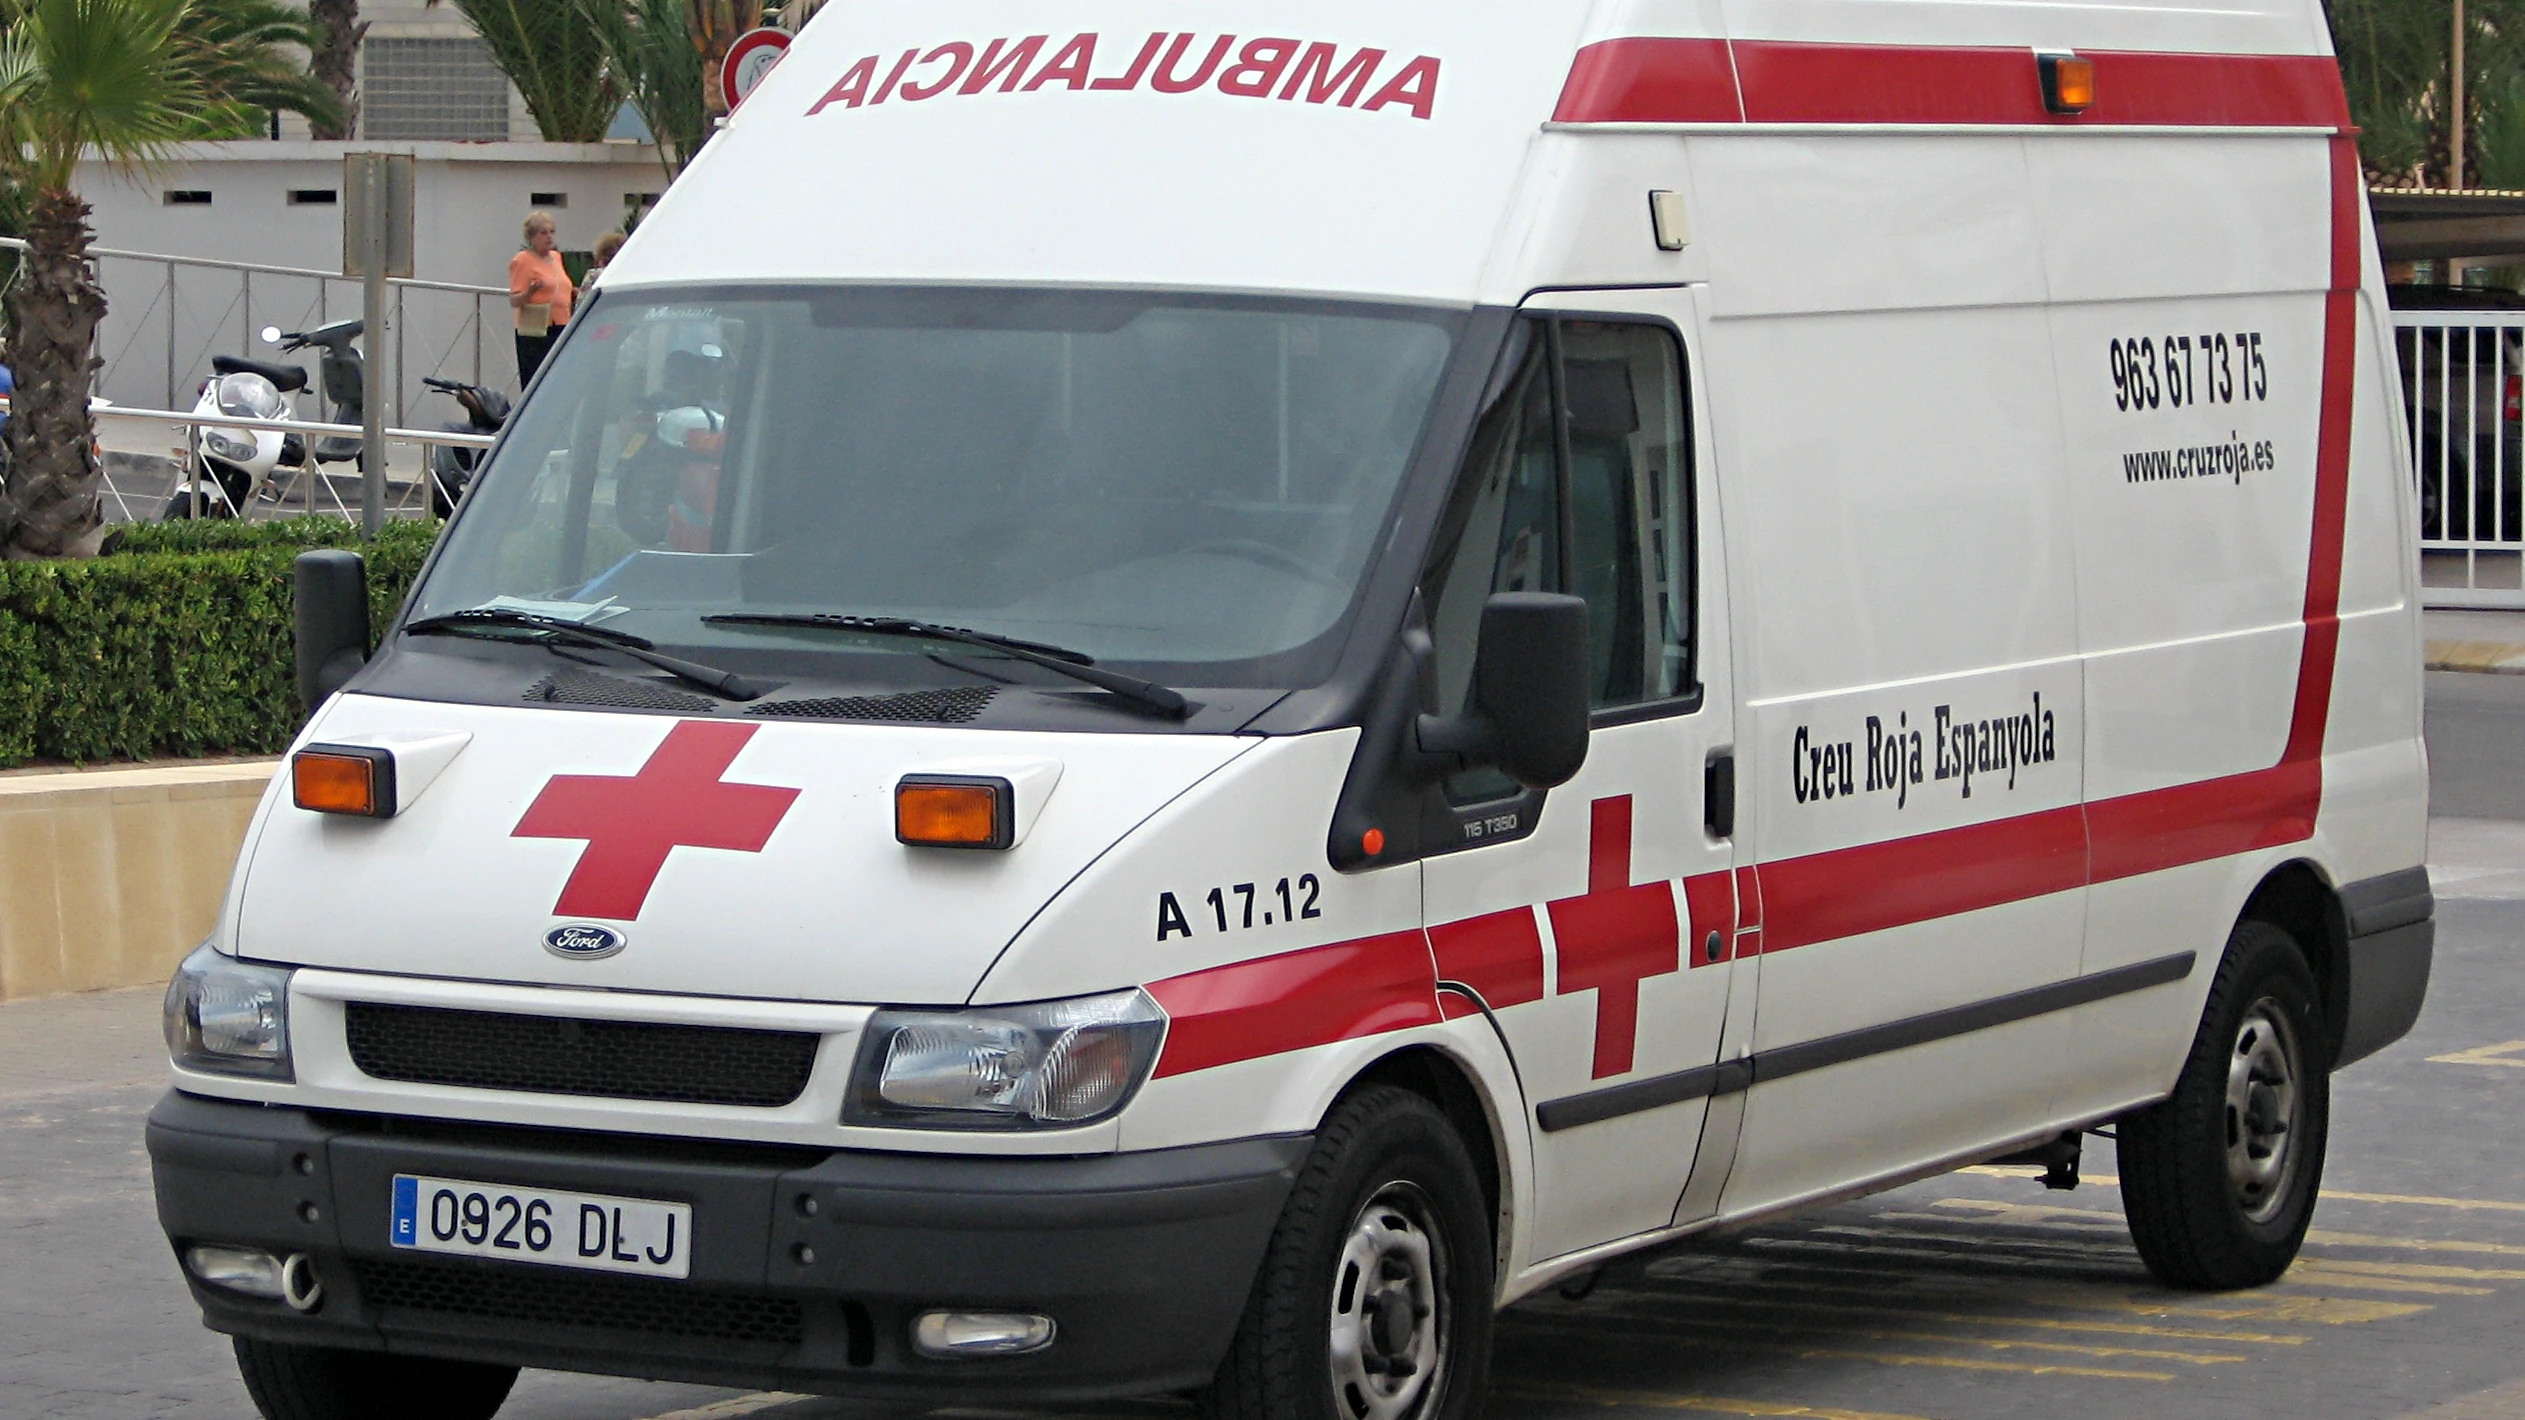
<point>1191,484</point>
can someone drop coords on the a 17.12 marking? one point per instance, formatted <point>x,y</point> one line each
<point>1241,907</point>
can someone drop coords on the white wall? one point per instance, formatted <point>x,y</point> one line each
<point>471,200</point>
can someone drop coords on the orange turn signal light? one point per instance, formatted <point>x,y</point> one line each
<point>955,811</point>
<point>344,779</point>
<point>2068,83</point>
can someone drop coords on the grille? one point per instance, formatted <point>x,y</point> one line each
<point>576,687</point>
<point>582,1299</point>
<point>929,707</point>
<point>554,1055</point>
<point>420,88</point>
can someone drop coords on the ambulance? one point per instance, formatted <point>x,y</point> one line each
<point>1169,698</point>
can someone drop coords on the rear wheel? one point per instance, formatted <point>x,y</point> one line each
<point>1374,1301</point>
<point>2219,1180</point>
<point>320,1383</point>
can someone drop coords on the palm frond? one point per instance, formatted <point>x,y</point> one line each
<point>100,74</point>
<point>557,64</point>
<point>650,52</point>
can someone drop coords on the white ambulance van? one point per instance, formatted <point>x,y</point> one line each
<point>1170,697</point>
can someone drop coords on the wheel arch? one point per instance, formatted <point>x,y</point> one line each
<point>2298,898</point>
<point>1447,1083</point>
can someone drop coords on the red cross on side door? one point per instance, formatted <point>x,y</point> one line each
<point>1600,932</point>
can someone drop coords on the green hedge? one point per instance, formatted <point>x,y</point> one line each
<point>178,642</point>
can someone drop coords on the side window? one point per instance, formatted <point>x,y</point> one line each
<point>1578,481</point>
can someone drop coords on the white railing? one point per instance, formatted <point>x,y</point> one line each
<point>409,499</point>
<point>2463,390</point>
<point>167,315</point>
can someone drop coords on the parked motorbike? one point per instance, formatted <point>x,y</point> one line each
<point>452,468</point>
<point>228,466</point>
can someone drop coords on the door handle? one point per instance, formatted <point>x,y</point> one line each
<point>1718,794</point>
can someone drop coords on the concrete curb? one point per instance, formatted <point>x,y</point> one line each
<point>108,877</point>
<point>2490,657</point>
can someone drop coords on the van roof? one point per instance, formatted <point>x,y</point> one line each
<point>1364,148</point>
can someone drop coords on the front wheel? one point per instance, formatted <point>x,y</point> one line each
<point>321,1383</point>
<point>2219,1180</point>
<point>1374,1300</point>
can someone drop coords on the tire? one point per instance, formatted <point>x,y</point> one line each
<point>319,1383</point>
<point>2216,1197</point>
<point>1388,1187</point>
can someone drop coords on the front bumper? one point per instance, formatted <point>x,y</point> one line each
<point>1143,1260</point>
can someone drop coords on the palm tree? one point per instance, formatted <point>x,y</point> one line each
<point>334,60</point>
<point>124,81</point>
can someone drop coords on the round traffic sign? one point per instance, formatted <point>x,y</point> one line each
<point>749,59</point>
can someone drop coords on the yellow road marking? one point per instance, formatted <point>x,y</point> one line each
<point>1876,1285</point>
<point>1592,1327</point>
<point>2325,1238</point>
<point>2420,1269</point>
<point>728,1409</point>
<point>2316,1274</point>
<point>1871,1333</point>
<point>2501,1054</point>
<point>1706,1404</point>
<point>2420,1200</point>
<point>2036,1216</point>
<point>2109,1328</point>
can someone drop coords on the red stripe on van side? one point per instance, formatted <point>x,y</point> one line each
<point>1645,80</point>
<point>1289,1002</point>
<point>1842,893</point>
<point>1651,81</point>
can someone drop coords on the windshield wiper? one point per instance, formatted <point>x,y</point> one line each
<point>1146,694</point>
<point>553,631</point>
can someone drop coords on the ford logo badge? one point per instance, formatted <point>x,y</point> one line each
<point>583,941</point>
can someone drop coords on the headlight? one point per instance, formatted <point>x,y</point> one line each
<point>249,397</point>
<point>1047,1066</point>
<point>229,447</point>
<point>227,1017</point>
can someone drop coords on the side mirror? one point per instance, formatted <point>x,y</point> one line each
<point>271,335</point>
<point>332,594</point>
<point>1529,714</point>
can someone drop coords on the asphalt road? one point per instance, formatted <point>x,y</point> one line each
<point>1977,1296</point>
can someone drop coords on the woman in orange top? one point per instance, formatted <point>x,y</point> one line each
<point>540,292</point>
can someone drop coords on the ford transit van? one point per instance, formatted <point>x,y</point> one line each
<point>1169,698</point>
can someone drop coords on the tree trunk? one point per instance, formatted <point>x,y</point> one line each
<point>336,65</point>
<point>51,507</point>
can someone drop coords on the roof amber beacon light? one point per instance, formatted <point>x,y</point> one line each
<point>955,811</point>
<point>2068,82</point>
<point>344,779</point>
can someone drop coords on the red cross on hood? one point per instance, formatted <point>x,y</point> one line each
<point>677,800</point>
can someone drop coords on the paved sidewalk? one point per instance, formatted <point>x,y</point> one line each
<point>2491,641</point>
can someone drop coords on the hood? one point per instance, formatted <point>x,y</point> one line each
<point>728,858</point>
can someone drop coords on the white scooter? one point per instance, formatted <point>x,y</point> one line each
<point>229,465</point>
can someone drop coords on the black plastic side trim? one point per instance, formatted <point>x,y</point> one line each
<point>1732,1076</point>
<point>2382,904</point>
<point>1964,1020</point>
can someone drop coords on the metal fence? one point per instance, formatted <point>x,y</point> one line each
<point>2463,390</point>
<point>167,315</point>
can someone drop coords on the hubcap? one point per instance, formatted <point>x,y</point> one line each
<point>2262,1111</point>
<point>1389,1318</point>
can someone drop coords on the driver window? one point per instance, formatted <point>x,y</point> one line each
<point>1578,481</point>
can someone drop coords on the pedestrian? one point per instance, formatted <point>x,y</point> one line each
<point>540,290</point>
<point>606,246</point>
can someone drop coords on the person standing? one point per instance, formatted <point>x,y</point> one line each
<point>541,293</point>
<point>606,246</point>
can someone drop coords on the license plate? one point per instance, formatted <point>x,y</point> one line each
<point>585,1230</point>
